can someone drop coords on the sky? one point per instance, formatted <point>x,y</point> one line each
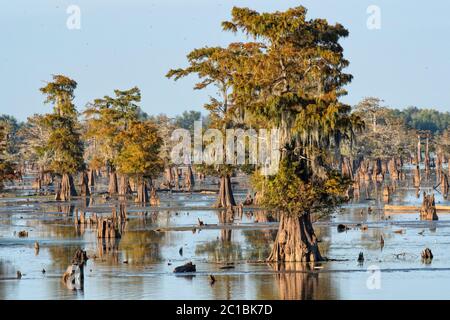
<point>121,44</point>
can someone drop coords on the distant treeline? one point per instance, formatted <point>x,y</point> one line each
<point>424,119</point>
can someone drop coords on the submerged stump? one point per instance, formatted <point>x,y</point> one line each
<point>428,209</point>
<point>73,278</point>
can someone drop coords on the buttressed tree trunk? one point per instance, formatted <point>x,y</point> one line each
<point>84,185</point>
<point>226,198</point>
<point>296,240</point>
<point>67,189</point>
<point>112,188</point>
<point>124,186</point>
<point>142,191</point>
<point>428,209</point>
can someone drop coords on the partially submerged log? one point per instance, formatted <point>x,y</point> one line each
<point>188,267</point>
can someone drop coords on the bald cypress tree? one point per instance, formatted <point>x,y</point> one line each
<point>63,145</point>
<point>294,83</point>
<point>105,119</point>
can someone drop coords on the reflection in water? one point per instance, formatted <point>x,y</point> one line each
<point>299,281</point>
<point>244,238</point>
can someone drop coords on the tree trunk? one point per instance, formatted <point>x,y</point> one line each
<point>226,198</point>
<point>444,185</point>
<point>296,241</point>
<point>416,176</point>
<point>189,181</point>
<point>124,186</point>
<point>142,191</point>
<point>67,189</point>
<point>84,185</point>
<point>91,176</point>
<point>112,188</point>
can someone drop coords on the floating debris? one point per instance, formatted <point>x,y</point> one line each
<point>23,234</point>
<point>342,228</point>
<point>188,267</point>
<point>227,267</point>
<point>19,274</point>
<point>180,251</point>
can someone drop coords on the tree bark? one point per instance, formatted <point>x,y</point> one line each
<point>112,188</point>
<point>428,210</point>
<point>124,186</point>
<point>84,185</point>
<point>142,191</point>
<point>226,198</point>
<point>189,179</point>
<point>296,240</point>
<point>91,176</point>
<point>67,189</point>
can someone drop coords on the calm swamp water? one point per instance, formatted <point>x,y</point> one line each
<point>140,264</point>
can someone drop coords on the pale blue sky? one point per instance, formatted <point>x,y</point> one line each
<point>127,43</point>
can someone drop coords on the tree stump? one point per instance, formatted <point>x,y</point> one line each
<point>427,256</point>
<point>107,228</point>
<point>73,278</point>
<point>428,210</point>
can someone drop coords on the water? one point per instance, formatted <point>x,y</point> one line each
<point>153,237</point>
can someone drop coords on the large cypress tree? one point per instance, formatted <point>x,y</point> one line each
<point>64,145</point>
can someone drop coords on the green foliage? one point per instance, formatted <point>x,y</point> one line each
<point>186,120</point>
<point>139,150</point>
<point>63,145</point>
<point>288,192</point>
<point>105,119</point>
<point>7,167</point>
<point>424,119</point>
